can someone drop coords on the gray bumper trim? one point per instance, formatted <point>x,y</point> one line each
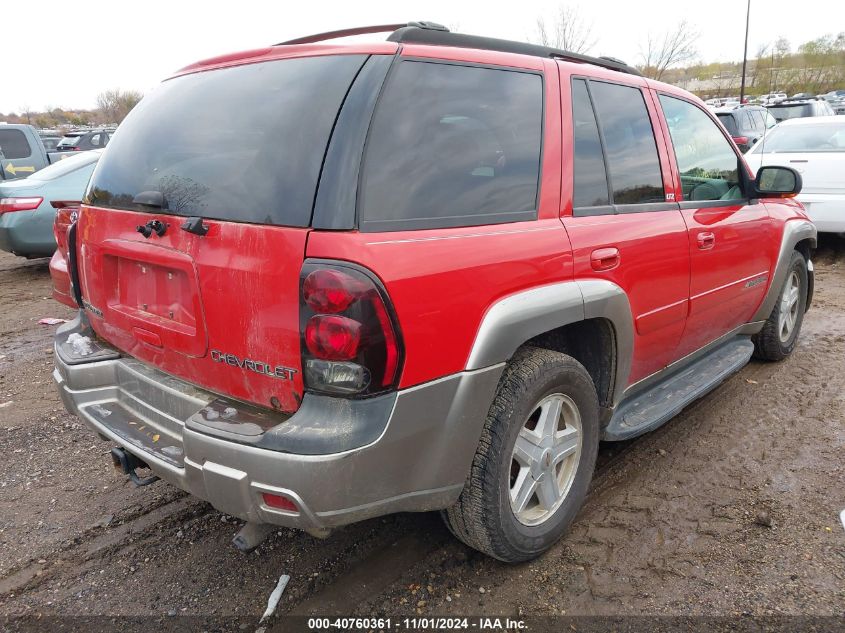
<point>418,463</point>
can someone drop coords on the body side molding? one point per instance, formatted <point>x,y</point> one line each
<point>794,231</point>
<point>519,317</point>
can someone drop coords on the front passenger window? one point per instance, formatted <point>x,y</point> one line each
<point>708,165</point>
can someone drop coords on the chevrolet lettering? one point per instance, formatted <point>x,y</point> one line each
<point>279,371</point>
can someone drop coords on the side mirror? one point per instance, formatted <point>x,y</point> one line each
<point>774,181</point>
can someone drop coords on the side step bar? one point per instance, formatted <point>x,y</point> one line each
<point>659,404</point>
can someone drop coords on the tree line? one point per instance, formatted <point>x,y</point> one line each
<point>112,108</point>
<point>814,67</point>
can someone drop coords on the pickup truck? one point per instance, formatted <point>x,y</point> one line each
<point>22,152</point>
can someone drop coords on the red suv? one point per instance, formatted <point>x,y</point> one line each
<point>320,283</point>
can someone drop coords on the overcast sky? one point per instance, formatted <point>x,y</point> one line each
<point>64,53</point>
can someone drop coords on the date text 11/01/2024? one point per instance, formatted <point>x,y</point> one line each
<point>417,624</point>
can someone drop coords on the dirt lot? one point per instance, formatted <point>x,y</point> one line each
<point>677,521</point>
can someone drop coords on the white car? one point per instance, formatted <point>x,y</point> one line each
<point>775,97</point>
<point>815,146</point>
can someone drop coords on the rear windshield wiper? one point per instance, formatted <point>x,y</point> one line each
<point>150,199</point>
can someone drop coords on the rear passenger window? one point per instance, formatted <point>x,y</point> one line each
<point>706,161</point>
<point>590,178</point>
<point>13,143</point>
<point>452,145</point>
<point>631,150</point>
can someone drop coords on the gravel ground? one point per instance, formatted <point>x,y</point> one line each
<point>731,508</point>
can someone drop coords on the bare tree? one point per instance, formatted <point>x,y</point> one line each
<point>674,47</point>
<point>114,105</point>
<point>27,112</point>
<point>759,65</point>
<point>568,31</point>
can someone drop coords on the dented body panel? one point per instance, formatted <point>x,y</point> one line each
<point>217,310</point>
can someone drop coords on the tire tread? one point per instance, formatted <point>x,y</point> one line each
<point>471,518</point>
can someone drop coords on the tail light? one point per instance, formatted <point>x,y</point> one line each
<point>350,341</point>
<point>66,214</point>
<point>8,205</point>
<point>741,140</point>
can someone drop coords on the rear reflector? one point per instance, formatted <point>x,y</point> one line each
<point>8,205</point>
<point>279,502</point>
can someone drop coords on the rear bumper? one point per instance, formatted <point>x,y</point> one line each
<point>28,233</point>
<point>418,461</point>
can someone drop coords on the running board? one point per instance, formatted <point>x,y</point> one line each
<point>662,402</point>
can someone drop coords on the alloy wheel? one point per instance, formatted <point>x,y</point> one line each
<point>545,459</point>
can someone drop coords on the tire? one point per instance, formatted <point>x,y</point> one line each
<point>780,333</point>
<point>532,386</point>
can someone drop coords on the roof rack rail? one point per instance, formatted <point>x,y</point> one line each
<point>413,34</point>
<point>361,30</point>
<point>423,32</point>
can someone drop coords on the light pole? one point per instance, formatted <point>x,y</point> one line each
<point>745,54</point>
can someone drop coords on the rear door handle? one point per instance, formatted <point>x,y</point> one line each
<point>706,240</point>
<point>604,258</point>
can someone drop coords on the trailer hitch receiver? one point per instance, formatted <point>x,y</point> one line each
<point>127,463</point>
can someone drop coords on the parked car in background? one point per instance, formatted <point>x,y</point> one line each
<point>721,102</point>
<point>22,153</point>
<point>836,99</point>
<point>773,97</point>
<point>528,280</point>
<point>803,95</point>
<point>26,212</point>
<point>50,142</point>
<point>746,124</point>
<point>816,148</point>
<point>84,140</point>
<point>797,108</point>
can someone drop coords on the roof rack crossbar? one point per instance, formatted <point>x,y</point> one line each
<point>361,30</point>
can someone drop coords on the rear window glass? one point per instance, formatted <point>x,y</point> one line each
<point>729,122</point>
<point>781,113</point>
<point>69,140</point>
<point>453,145</point>
<point>242,144</point>
<point>14,144</point>
<point>829,137</point>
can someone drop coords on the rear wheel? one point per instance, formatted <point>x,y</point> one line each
<point>780,333</point>
<point>534,461</point>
